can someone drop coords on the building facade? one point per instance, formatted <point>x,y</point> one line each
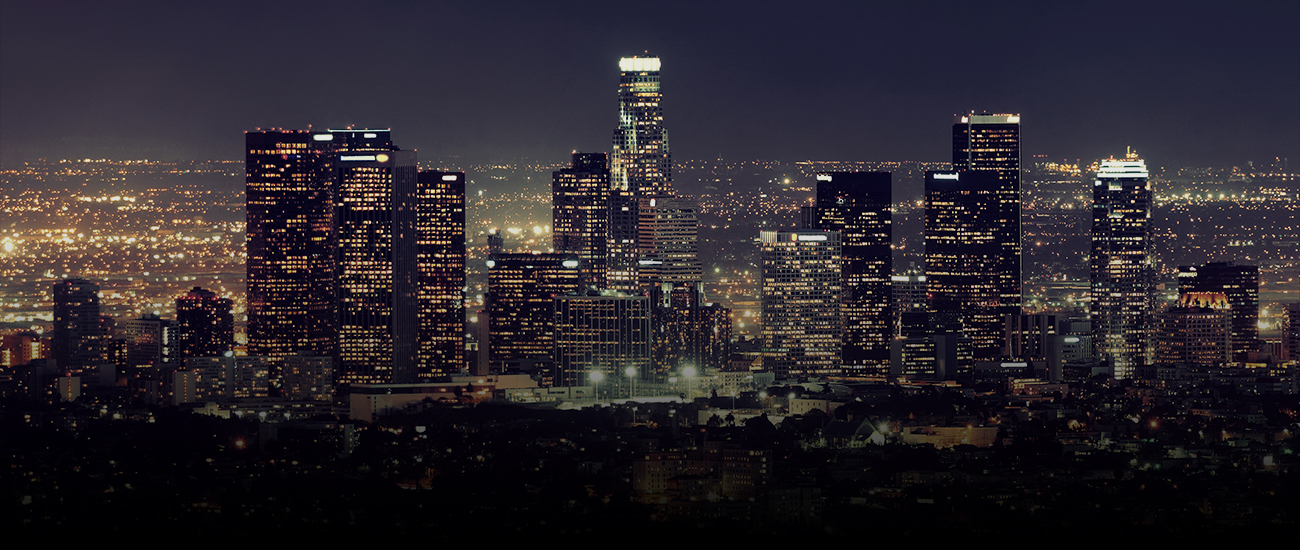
<point>205,324</point>
<point>640,165</point>
<point>520,302</point>
<point>1122,266</point>
<point>857,204</point>
<point>802,301</point>
<point>604,332</point>
<point>580,214</point>
<point>1240,285</point>
<point>440,235</point>
<point>79,334</point>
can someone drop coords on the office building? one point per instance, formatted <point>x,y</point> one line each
<point>520,302</point>
<point>668,247</point>
<point>308,378</point>
<point>972,255</point>
<point>802,299</point>
<point>205,325</point>
<point>580,214</point>
<point>1122,266</point>
<point>440,232</point>
<point>1197,330</point>
<point>291,243</point>
<point>640,166</point>
<point>1240,285</point>
<point>151,340</point>
<point>78,329</point>
<point>606,332</point>
<point>857,205</point>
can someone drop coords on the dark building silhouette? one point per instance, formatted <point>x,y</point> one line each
<point>205,325</point>
<point>857,204</point>
<point>78,329</point>
<point>440,225</point>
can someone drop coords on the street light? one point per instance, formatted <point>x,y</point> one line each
<point>689,373</point>
<point>631,374</point>
<point>595,378</point>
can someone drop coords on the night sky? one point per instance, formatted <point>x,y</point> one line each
<point>1184,83</point>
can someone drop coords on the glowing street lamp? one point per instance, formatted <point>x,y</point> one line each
<point>596,377</point>
<point>631,374</point>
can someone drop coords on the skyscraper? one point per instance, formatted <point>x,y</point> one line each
<point>1240,284</point>
<point>971,271</point>
<point>667,245</point>
<point>580,214</point>
<point>440,228</point>
<point>801,302</point>
<point>205,324</point>
<point>640,167</point>
<point>78,331</point>
<point>1122,266</point>
<point>291,243</point>
<point>378,277</point>
<point>520,302</point>
<point>857,205</point>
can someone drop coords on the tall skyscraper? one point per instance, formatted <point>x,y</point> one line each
<point>1122,266</point>
<point>667,245</point>
<point>378,274</point>
<point>1240,284</point>
<point>801,302</point>
<point>440,229</point>
<point>78,332</point>
<point>291,243</point>
<point>580,214</point>
<point>205,324</point>
<point>857,205</point>
<point>641,162</point>
<point>972,272</point>
<point>640,167</point>
<point>520,302</point>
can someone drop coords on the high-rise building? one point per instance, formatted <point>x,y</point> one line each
<point>378,277</point>
<point>205,324</point>
<point>1197,330</point>
<point>972,268</point>
<point>1122,266</point>
<point>606,332</point>
<point>857,204</point>
<point>151,340</point>
<point>440,219</point>
<point>641,162</point>
<point>1240,284</point>
<point>291,243</point>
<point>640,167</point>
<point>580,214</point>
<point>668,247</point>
<point>78,331</point>
<point>520,302</point>
<point>801,302</point>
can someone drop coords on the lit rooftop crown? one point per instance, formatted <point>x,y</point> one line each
<point>638,64</point>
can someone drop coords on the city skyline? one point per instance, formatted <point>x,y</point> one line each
<point>1217,81</point>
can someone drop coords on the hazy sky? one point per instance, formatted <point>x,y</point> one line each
<point>1184,83</point>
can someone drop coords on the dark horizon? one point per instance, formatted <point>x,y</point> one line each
<point>1204,84</point>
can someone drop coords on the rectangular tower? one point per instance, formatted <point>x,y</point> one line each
<point>606,332</point>
<point>1122,266</point>
<point>205,324</point>
<point>972,272</point>
<point>802,299</point>
<point>291,243</point>
<point>1240,283</point>
<point>520,302</point>
<point>857,205</point>
<point>580,214</point>
<point>78,332</point>
<point>440,230</point>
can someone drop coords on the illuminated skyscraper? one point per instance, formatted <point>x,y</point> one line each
<point>802,302</point>
<point>378,276</point>
<point>857,205</point>
<point>291,243</point>
<point>440,219</point>
<point>205,324</point>
<point>640,167</point>
<point>971,271</point>
<point>1240,284</point>
<point>580,214</point>
<point>667,245</point>
<point>78,331</point>
<point>520,302</point>
<point>1122,266</point>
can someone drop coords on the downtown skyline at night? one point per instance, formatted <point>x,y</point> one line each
<point>785,274</point>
